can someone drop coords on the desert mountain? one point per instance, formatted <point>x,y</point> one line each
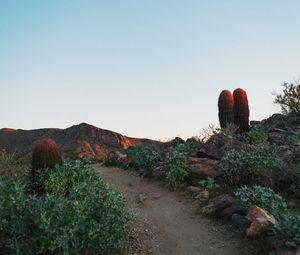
<point>81,141</point>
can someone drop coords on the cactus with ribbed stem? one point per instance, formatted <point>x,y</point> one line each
<point>225,105</point>
<point>241,110</point>
<point>46,154</point>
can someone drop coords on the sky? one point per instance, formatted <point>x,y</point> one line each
<point>142,68</point>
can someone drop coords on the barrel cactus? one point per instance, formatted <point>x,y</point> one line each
<point>225,105</point>
<point>241,110</point>
<point>46,154</point>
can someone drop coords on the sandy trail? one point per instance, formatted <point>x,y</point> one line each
<point>168,219</point>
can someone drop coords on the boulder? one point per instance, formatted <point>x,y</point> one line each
<point>218,204</point>
<point>241,221</point>
<point>202,195</point>
<point>201,168</point>
<point>193,189</point>
<point>235,208</point>
<point>260,219</point>
<point>280,121</point>
<point>218,144</point>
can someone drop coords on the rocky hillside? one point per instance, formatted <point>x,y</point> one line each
<point>82,141</point>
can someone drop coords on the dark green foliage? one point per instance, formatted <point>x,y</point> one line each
<point>176,163</point>
<point>193,145</point>
<point>263,197</point>
<point>243,168</point>
<point>288,228</point>
<point>144,159</point>
<point>254,137</point>
<point>241,110</point>
<point>61,179</point>
<point>225,106</point>
<point>209,184</point>
<point>91,217</point>
<point>289,100</point>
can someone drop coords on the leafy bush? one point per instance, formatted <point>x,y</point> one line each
<point>144,158</point>
<point>255,137</point>
<point>193,145</point>
<point>176,163</point>
<point>242,168</point>
<point>62,178</point>
<point>288,228</point>
<point>209,184</point>
<point>262,197</point>
<point>90,218</point>
<point>289,100</point>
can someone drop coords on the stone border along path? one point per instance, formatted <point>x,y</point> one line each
<point>166,221</point>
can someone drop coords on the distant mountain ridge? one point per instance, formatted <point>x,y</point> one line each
<point>81,141</point>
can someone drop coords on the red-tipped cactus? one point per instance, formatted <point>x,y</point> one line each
<point>46,154</point>
<point>225,105</point>
<point>241,110</point>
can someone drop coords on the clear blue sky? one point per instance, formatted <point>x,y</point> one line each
<point>142,68</point>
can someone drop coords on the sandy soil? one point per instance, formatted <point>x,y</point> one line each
<point>167,221</point>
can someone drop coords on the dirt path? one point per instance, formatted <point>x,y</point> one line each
<point>167,222</point>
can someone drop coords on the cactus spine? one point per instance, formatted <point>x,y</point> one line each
<point>225,105</point>
<point>241,110</point>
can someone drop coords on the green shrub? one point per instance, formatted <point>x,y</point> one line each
<point>90,218</point>
<point>263,197</point>
<point>62,178</point>
<point>243,168</point>
<point>144,159</point>
<point>288,228</point>
<point>193,145</point>
<point>209,184</point>
<point>176,163</point>
<point>255,137</point>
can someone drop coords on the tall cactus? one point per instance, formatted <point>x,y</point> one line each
<point>225,105</point>
<point>241,110</point>
<point>46,154</point>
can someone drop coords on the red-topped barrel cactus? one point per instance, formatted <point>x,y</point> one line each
<point>241,110</point>
<point>225,105</point>
<point>46,154</point>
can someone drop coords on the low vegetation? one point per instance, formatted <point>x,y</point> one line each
<point>143,159</point>
<point>176,165</point>
<point>245,167</point>
<point>263,197</point>
<point>288,228</point>
<point>73,213</point>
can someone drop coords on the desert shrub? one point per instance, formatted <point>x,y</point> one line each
<point>103,222</point>
<point>144,159</point>
<point>269,150</point>
<point>91,218</point>
<point>209,184</point>
<point>296,157</point>
<point>193,145</point>
<point>294,140</point>
<point>262,197</point>
<point>255,137</point>
<point>288,228</point>
<point>61,179</point>
<point>289,100</point>
<point>176,163</point>
<point>243,168</point>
